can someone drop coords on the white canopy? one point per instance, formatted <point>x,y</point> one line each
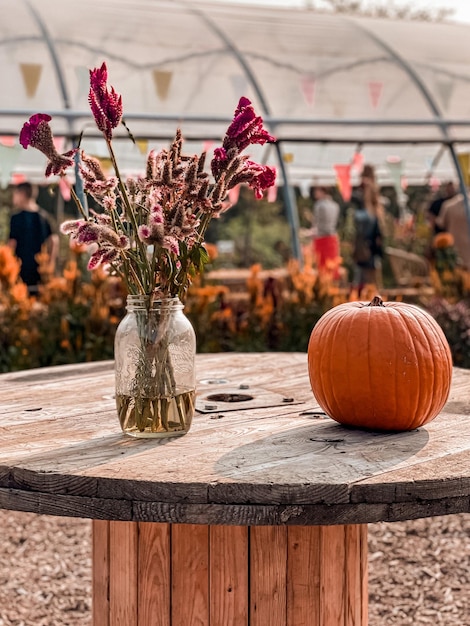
<point>326,84</point>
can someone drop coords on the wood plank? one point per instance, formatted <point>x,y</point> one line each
<point>355,570</point>
<point>100,583</point>
<point>332,576</point>
<point>123,563</point>
<point>229,575</point>
<point>268,576</point>
<point>190,575</point>
<point>303,576</point>
<point>154,565</point>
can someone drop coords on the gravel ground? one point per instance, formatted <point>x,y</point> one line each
<point>419,572</point>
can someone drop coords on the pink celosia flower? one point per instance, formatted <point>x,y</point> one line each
<point>105,103</point>
<point>38,134</point>
<point>246,128</point>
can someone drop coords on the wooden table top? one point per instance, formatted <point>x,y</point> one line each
<point>275,459</point>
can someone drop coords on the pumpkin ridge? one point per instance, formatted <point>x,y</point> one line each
<point>438,378</point>
<point>417,409</point>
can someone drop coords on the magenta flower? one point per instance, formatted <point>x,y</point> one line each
<point>38,134</point>
<point>105,103</point>
<point>246,128</point>
<point>264,177</point>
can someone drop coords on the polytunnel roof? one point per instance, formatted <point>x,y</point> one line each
<point>326,84</point>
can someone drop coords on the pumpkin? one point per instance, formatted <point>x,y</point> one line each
<point>380,366</point>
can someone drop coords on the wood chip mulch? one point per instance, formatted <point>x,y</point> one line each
<point>419,571</point>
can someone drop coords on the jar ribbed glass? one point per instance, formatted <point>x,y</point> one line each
<point>154,350</point>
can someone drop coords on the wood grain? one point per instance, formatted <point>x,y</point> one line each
<point>303,575</point>
<point>268,576</point>
<point>190,575</point>
<point>229,595</point>
<point>123,563</point>
<point>100,588</point>
<point>61,453</point>
<point>154,575</point>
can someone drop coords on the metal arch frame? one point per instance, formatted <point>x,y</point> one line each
<point>440,121</point>
<point>287,192</point>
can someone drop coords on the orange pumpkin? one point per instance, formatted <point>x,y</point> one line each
<point>380,366</point>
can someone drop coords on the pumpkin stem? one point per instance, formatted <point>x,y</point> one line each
<point>376,301</point>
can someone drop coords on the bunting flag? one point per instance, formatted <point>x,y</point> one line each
<point>82,74</point>
<point>142,145</point>
<point>343,176</point>
<point>357,162</point>
<point>239,84</point>
<point>234,194</point>
<point>288,157</point>
<point>395,167</point>
<point>162,81</point>
<point>7,140</point>
<point>17,178</point>
<point>464,162</point>
<point>307,85</point>
<point>64,188</point>
<point>271,194</point>
<point>207,145</point>
<point>375,92</point>
<point>31,73</point>
<point>59,143</point>
<point>435,184</point>
<point>9,157</point>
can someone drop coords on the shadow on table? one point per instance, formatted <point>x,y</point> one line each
<point>322,452</point>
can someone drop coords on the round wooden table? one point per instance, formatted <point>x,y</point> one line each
<point>257,516</point>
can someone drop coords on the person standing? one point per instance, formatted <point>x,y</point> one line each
<point>325,222</point>
<point>367,245</point>
<point>30,229</point>
<point>435,207</point>
<point>452,218</point>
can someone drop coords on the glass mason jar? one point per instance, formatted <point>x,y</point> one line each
<point>154,349</point>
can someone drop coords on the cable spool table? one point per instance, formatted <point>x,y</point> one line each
<point>257,516</point>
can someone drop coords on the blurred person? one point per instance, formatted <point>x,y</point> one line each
<point>30,229</point>
<point>448,192</point>
<point>325,224</point>
<point>452,218</point>
<point>367,245</point>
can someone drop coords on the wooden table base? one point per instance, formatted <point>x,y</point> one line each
<point>151,574</point>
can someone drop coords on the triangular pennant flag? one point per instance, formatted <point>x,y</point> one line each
<point>343,174</point>
<point>435,184</point>
<point>375,92</point>
<point>7,140</point>
<point>271,194</point>
<point>288,157</point>
<point>17,178</point>
<point>307,84</point>
<point>64,187</point>
<point>59,143</point>
<point>207,145</point>
<point>239,84</point>
<point>31,73</point>
<point>233,194</point>
<point>142,145</point>
<point>357,162</point>
<point>162,80</point>
<point>83,81</point>
<point>445,89</point>
<point>464,162</point>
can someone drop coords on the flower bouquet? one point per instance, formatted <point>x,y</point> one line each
<point>150,231</point>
